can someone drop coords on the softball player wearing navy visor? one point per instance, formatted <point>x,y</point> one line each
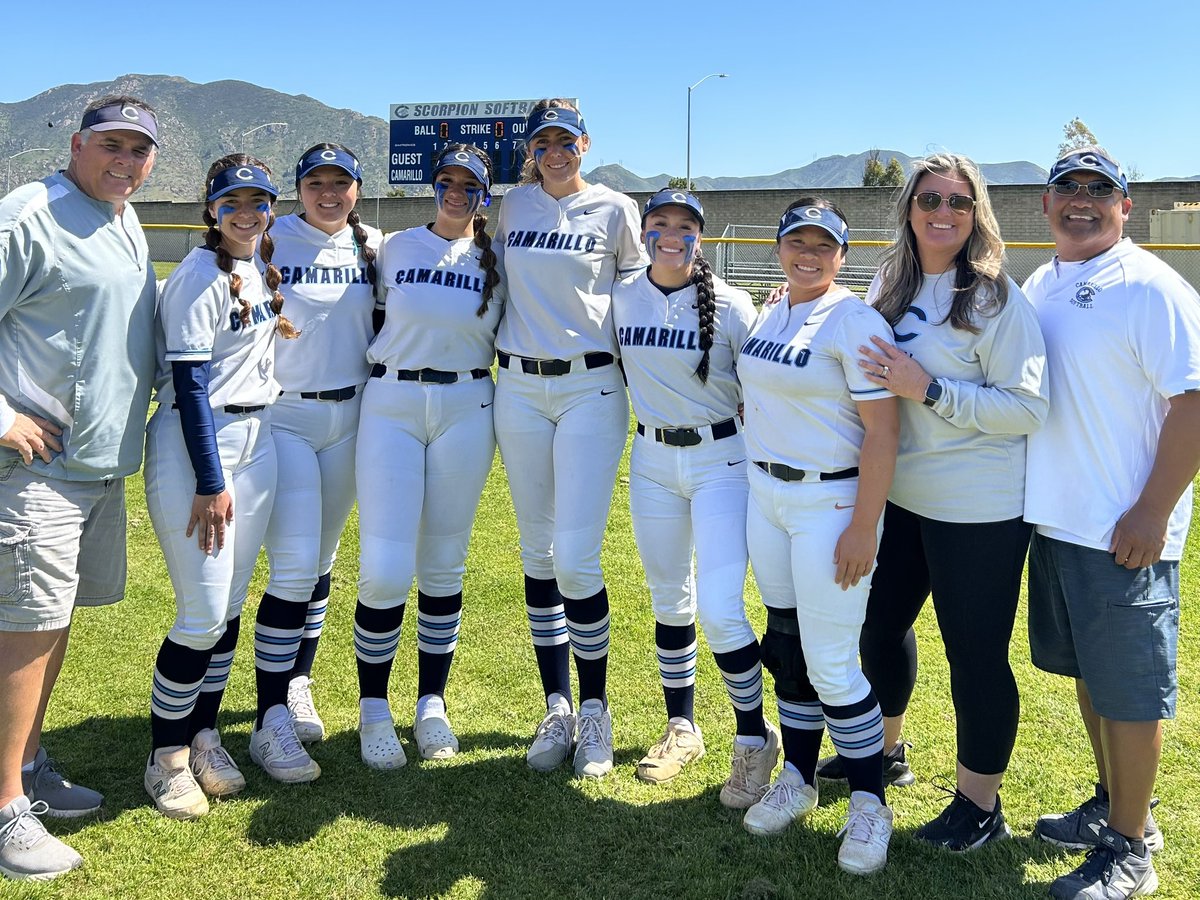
<point>679,329</point>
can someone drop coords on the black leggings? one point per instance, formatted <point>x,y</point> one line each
<point>974,571</point>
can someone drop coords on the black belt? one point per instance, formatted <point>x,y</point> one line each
<point>787,473</point>
<point>426,376</point>
<point>338,395</point>
<point>689,437</point>
<point>233,409</point>
<point>547,367</point>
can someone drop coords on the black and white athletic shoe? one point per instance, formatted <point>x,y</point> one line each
<point>963,825</point>
<point>1111,871</point>
<point>895,767</point>
<point>1079,829</point>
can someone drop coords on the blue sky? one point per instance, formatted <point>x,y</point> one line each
<point>994,81</point>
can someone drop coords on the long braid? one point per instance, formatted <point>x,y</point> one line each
<point>487,260</point>
<point>266,249</point>
<point>706,307</point>
<point>212,240</point>
<point>365,253</point>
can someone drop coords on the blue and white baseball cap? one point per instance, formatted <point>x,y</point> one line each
<point>675,197</point>
<point>554,117</point>
<point>236,177</point>
<point>315,158</point>
<point>467,160</point>
<point>124,117</point>
<point>1089,159</point>
<point>814,215</point>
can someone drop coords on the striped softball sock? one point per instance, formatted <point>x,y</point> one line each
<point>742,671</point>
<point>857,734</point>
<point>215,679</point>
<point>676,646</point>
<point>438,621</point>
<point>376,636</point>
<point>277,632</point>
<point>548,628</point>
<point>178,675</point>
<point>801,727</point>
<point>587,626</point>
<point>314,622</point>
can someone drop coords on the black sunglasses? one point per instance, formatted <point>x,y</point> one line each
<point>931,200</point>
<point>1069,188</point>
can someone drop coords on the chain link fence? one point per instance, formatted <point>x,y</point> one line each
<point>745,257</point>
<point>171,243</point>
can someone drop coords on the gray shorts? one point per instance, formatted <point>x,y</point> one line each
<point>62,544</point>
<point>1117,629</point>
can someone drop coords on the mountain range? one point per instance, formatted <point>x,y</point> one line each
<point>200,122</point>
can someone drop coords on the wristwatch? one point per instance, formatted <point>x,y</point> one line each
<point>933,393</point>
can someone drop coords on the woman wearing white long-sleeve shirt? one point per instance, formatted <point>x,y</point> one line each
<point>968,361</point>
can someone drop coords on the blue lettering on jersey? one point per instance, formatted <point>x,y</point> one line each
<point>774,351</point>
<point>462,281</point>
<point>917,313</point>
<point>258,314</point>
<point>649,336</point>
<point>551,240</point>
<point>323,275</point>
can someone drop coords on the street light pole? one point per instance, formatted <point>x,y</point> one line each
<point>8,167</point>
<point>256,128</point>
<point>687,179</point>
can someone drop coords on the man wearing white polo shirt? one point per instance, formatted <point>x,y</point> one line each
<point>1109,489</point>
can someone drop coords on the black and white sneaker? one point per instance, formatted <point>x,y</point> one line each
<point>1111,871</point>
<point>895,767</point>
<point>963,825</point>
<point>1079,829</point>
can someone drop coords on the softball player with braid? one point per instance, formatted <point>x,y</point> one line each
<point>425,447</point>
<point>210,479</point>
<point>562,417</point>
<point>679,330</point>
<point>326,256</point>
<point>821,438</point>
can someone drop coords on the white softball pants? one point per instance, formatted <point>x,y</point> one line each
<point>685,499</point>
<point>424,453</point>
<point>792,529</point>
<point>209,588</point>
<point>561,439</point>
<point>314,443</point>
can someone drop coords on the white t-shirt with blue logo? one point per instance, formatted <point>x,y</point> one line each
<point>1122,335</point>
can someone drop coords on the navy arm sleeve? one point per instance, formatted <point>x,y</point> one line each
<point>199,433</point>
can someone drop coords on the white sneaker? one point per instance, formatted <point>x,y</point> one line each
<point>308,724</point>
<point>276,748</point>
<point>750,772</point>
<point>786,801</point>
<point>28,852</point>
<point>170,783</point>
<point>435,740</point>
<point>867,831</point>
<point>593,740</point>
<point>213,767</point>
<point>380,746</point>
<point>552,742</point>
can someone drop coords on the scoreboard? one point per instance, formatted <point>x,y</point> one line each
<point>420,130</point>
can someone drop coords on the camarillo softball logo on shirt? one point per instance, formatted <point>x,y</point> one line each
<point>1085,294</point>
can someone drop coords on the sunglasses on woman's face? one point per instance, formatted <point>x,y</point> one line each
<point>931,200</point>
<point>1069,188</point>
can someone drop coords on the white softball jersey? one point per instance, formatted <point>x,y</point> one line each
<point>963,459</point>
<point>431,289</point>
<point>329,299</point>
<point>199,321</point>
<point>659,340</point>
<point>561,259</point>
<point>800,376</point>
<point>1122,337</point>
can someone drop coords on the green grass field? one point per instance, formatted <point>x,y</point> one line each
<point>484,824</point>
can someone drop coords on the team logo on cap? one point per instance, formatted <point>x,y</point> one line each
<point>1089,160</point>
<point>812,212</point>
<point>550,114</point>
<point>129,113</point>
<point>679,198</point>
<point>244,174</point>
<point>462,156</point>
<point>328,155</point>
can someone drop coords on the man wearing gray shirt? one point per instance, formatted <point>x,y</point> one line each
<point>76,363</point>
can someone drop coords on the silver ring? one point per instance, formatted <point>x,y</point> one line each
<point>885,372</point>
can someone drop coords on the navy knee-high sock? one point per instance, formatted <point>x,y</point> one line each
<point>178,675</point>
<point>376,636</point>
<point>801,727</point>
<point>587,624</point>
<point>314,622</point>
<point>277,632</point>
<point>857,733</point>
<point>215,678</point>
<point>676,646</point>
<point>742,671</point>
<point>548,628</point>
<point>438,621</point>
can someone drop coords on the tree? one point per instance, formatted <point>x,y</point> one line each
<point>893,176</point>
<point>396,192</point>
<point>1076,135</point>
<point>1133,172</point>
<point>679,183</point>
<point>873,170</point>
